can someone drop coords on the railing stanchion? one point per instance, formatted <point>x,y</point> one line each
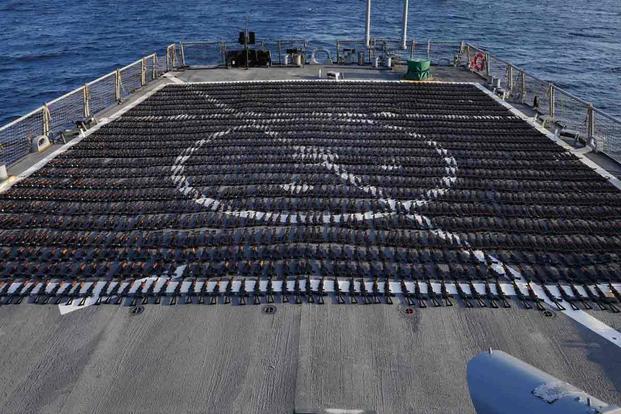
<point>429,49</point>
<point>412,46</point>
<point>487,70</point>
<point>522,87</point>
<point>182,49</point>
<point>143,72</point>
<point>86,96</point>
<point>279,52</point>
<point>223,51</point>
<point>510,79</point>
<point>338,56</point>
<point>117,86</point>
<point>154,74</point>
<point>551,101</point>
<point>591,126</point>
<point>47,120</point>
<point>468,56</point>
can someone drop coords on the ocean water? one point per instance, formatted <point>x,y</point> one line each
<point>48,47</point>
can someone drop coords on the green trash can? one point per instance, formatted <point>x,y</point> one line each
<point>418,69</point>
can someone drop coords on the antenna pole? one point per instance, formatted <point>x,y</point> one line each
<point>246,42</point>
<point>405,24</point>
<point>367,36</point>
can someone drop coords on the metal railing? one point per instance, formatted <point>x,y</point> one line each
<point>554,105</point>
<point>55,116</point>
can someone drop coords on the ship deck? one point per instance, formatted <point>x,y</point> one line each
<point>175,158</point>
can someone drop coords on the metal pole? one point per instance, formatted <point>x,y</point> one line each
<point>182,49</point>
<point>522,87</point>
<point>412,49</point>
<point>367,36</point>
<point>47,118</point>
<point>510,79</point>
<point>406,8</point>
<point>117,86</point>
<point>338,56</point>
<point>143,71</point>
<point>591,126</point>
<point>86,97</point>
<point>487,69</point>
<point>551,101</point>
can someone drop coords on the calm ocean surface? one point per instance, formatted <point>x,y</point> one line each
<point>50,47</point>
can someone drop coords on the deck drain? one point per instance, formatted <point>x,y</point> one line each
<point>409,311</point>
<point>548,313</point>
<point>269,309</point>
<point>136,310</point>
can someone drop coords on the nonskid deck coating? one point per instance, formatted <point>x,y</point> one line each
<point>282,180</point>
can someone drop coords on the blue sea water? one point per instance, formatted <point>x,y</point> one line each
<point>48,47</point>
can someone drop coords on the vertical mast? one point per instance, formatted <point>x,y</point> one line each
<point>367,37</point>
<point>405,24</point>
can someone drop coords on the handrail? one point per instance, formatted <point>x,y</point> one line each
<point>78,104</point>
<point>563,107</point>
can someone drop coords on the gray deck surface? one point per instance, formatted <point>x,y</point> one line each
<point>227,359</point>
<point>303,358</point>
